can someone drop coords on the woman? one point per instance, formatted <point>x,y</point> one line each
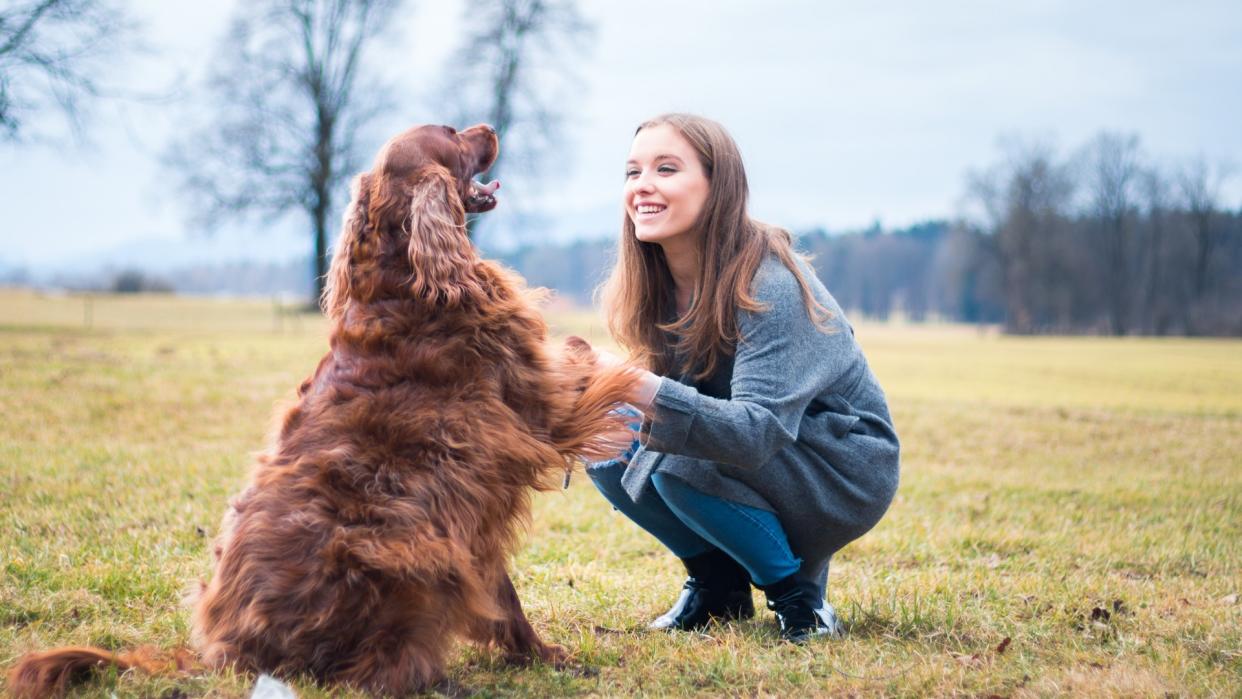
<point>766,443</point>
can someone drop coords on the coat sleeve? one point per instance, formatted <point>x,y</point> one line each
<point>781,364</point>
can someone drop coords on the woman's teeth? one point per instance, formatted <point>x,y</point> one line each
<point>650,209</point>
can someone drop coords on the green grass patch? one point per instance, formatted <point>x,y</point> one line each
<point>1080,497</point>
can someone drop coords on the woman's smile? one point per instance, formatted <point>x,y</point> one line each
<point>646,212</point>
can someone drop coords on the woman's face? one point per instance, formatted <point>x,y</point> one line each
<point>665,186</point>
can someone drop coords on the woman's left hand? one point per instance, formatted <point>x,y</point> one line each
<point>644,389</point>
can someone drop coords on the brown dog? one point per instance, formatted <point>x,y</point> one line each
<point>378,526</point>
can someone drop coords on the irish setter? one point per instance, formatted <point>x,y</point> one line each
<point>379,524</point>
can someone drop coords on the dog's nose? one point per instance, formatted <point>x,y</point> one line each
<point>490,129</point>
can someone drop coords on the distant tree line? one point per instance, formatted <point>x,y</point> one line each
<point>1045,273</point>
<point>1100,242</point>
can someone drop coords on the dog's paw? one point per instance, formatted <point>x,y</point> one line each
<point>553,654</point>
<point>549,653</point>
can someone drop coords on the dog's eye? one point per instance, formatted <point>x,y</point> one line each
<point>451,131</point>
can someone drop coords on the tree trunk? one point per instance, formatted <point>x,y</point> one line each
<point>321,254</point>
<point>1154,302</point>
<point>1118,275</point>
<point>1203,236</point>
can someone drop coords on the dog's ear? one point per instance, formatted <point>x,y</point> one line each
<point>443,262</point>
<point>336,290</point>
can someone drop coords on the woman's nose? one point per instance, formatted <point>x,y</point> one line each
<point>641,183</point>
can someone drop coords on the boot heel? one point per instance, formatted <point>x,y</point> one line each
<point>801,611</point>
<point>718,587</point>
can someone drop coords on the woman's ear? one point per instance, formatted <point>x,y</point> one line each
<point>336,291</point>
<point>442,260</point>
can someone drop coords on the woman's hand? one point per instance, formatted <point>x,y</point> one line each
<point>643,391</point>
<point>607,360</point>
<point>624,442</point>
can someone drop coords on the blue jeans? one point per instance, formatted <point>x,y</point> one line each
<point>690,522</point>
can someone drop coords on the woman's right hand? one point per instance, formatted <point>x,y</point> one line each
<point>625,440</point>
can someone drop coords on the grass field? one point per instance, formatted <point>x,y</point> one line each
<point>1069,518</point>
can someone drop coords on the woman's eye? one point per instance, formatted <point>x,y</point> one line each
<point>667,169</point>
<point>631,173</point>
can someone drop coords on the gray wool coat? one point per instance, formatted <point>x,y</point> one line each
<point>794,423</point>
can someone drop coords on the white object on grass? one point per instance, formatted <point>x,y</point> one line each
<point>269,687</point>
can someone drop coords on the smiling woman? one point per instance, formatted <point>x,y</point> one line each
<point>766,443</point>
<point>665,190</point>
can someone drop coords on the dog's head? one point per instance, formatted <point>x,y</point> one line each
<point>405,228</point>
<point>409,156</point>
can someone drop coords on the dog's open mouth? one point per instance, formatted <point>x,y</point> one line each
<point>481,197</point>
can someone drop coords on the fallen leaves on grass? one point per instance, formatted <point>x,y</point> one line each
<point>1102,614</point>
<point>974,660</point>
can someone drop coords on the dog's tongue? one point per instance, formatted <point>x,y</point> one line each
<point>489,188</point>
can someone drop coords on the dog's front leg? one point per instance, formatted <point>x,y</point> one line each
<point>513,633</point>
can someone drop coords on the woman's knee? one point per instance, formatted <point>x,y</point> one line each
<point>685,499</point>
<point>705,509</point>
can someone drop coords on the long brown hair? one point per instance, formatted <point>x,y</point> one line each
<point>638,297</point>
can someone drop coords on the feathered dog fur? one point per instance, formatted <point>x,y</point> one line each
<point>379,524</point>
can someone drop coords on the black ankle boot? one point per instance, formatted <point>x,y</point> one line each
<point>718,588</point>
<point>802,612</point>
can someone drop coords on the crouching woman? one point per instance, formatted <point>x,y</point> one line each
<point>765,443</point>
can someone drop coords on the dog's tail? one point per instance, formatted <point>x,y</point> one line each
<point>586,433</point>
<point>51,673</point>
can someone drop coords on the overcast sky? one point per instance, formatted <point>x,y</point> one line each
<point>846,113</point>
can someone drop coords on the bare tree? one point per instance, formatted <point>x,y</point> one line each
<point>51,55</point>
<point>1112,166</point>
<point>1155,193</point>
<point>510,69</point>
<point>1199,184</point>
<point>1025,199</point>
<point>285,106</point>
